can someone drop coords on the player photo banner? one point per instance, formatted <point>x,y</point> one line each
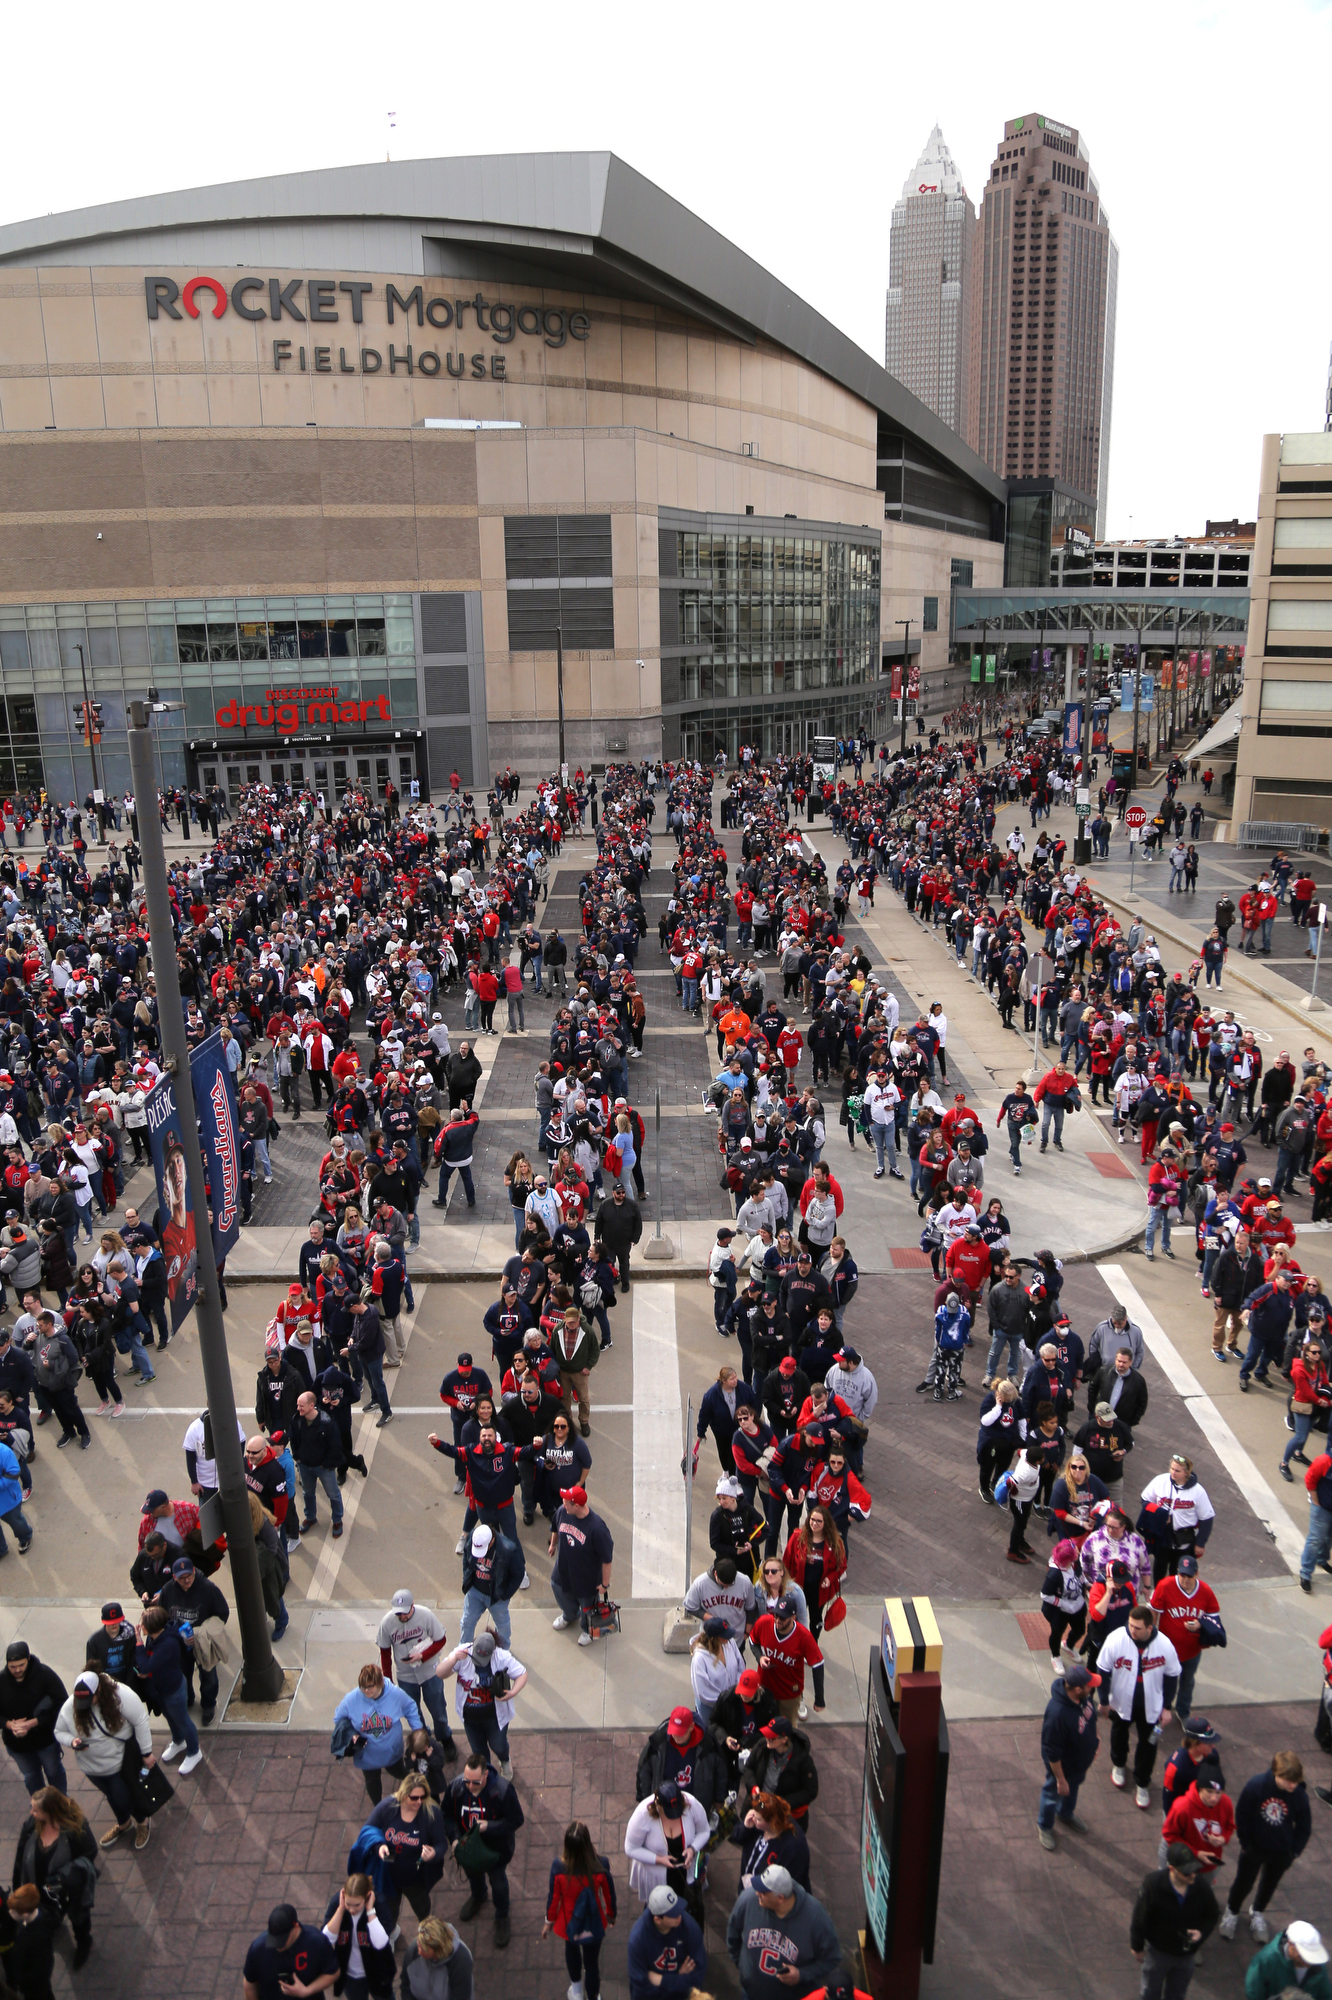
<point>179,1248</point>
<point>216,1109</point>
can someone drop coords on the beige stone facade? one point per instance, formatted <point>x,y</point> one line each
<point>158,442</point>
<point>1282,762</point>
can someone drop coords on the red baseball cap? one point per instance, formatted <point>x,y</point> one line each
<point>786,1366</point>
<point>577,1494</point>
<point>748,1685</point>
<point>680,1718</point>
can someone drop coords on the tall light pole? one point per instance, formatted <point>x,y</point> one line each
<point>261,1675</point>
<point>559,689</point>
<point>906,666</point>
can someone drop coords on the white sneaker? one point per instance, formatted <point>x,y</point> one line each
<point>575,1991</point>
<point>191,1763</point>
<point>506,1771</point>
<point>1258,1926</point>
<point>1142,1798</point>
<point>804,1712</point>
<point>526,1583</point>
<point>461,1541</point>
<point>172,1751</point>
<point>560,1623</point>
<point>1229,1924</point>
<point>1119,1775</point>
<point>1060,1670</point>
<point>585,1638</point>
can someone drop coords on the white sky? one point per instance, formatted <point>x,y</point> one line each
<point>791,130</point>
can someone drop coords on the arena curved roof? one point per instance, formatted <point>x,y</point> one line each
<point>587,220</point>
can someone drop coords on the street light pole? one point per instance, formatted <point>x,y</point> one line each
<point>261,1675</point>
<point>1137,705</point>
<point>87,717</point>
<point>559,688</point>
<point>906,665</point>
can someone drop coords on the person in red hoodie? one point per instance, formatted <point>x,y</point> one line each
<point>1179,1602</point>
<point>1204,1820</point>
<point>487,992</point>
<point>967,1265</point>
<point>1318,1543</point>
<point>1055,1089</point>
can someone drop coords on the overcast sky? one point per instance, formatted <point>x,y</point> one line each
<point>791,130</point>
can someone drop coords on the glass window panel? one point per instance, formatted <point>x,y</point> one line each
<point>403,691</point>
<point>341,638</point>
<point>199,710</point>
<point>282,639</point>
<point>400,631</point>
<point>14,652</point>
<point>371,640</point>
<point>252,635</point>
<point>193,643</point>
<point>71,638</point>
<point>133,641</point>
<point>313,636</point>
<point>223,608</point>
<point>22,714</point>
<point>222,642</point>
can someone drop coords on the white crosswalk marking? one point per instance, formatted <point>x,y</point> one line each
<point>659,1507</point>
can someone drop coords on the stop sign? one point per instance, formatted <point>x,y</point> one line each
<point>1135,817</point>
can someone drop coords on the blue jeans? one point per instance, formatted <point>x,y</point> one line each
<point>1319,1540</point>
<point>23,1528</point>
<point>1266,928</point>
<point>431,1697</point>
<point>1158,1218</point>
<point>1303,1426</point>
<point>1258,1358</point>
<point>85,1219</point>
<point>484,1733</point>
<point>1283,1180</point>
<point>465,1175</point>
<point>42,1767</point>
<point>178,1715</point>
<point>1053,1114</point>
<point>1013,1341</point>
<point>135,1348</point>
<point>1188,1674</point>
<point>476,1605</point>
<point>1052,1807</point>
<point>374,1375</point>
<point>689,995</point>
<point>885,1145</point>
<point>312,1478</point>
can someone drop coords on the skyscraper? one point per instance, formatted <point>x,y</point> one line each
<point>1043,344</point>
<point>926,329</point>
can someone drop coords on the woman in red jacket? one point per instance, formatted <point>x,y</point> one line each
<point>1311,1399</point>
<point>580,1869</point>
<point>816,1560</point>
<point>487,992</point>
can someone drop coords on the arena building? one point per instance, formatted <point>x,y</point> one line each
<point>373,469</point>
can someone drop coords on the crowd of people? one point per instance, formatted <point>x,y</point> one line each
<point>297,921</point>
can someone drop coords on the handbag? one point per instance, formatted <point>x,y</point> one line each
<point>835,1614</point>
<point>473,1855</point>
<point>1300,1409</point>
<point>149,1788</point>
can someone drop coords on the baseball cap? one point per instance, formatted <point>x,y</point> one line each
<point>1187,1566</point>
<point>850,1354</point>
<point>778,1727</point>
<point>748,1685</point>
<point>786,1366</point>
<point>1081,1677</point>
<point>403,1600</point>
<point>1307,1943</point>
<point>1199,1730</point>
<point>777,1880</point>
<point>668,1793</point>
<point>157,1498</point>
<point>112,1613</point>
<point>282,1920</point>
<point>680,1718</point>
<point>577,1494</point>
<point>715,1627</point>
<point>1182,1859</point>
<point>182,1566</point>
<point>1104,1412</point>
<point>483,1646</point>
<point>85,1687</point>
<point>482,1537</point>
<point>785,1606</point>
<point>663,1902</point>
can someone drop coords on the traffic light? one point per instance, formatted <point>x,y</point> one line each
<point>89,717</point>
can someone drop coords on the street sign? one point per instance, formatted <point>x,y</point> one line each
<point>1082,810</point>
<point>1136,816</point>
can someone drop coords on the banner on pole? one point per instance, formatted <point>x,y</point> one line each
<point>990,661</point>
<point>975,666</point>
<point>216,1110</point>
<point>175,1209</point>
<point>1073,726</point>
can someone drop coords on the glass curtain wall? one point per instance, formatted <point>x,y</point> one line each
<point>202,652</point>
<point>774,615</point>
